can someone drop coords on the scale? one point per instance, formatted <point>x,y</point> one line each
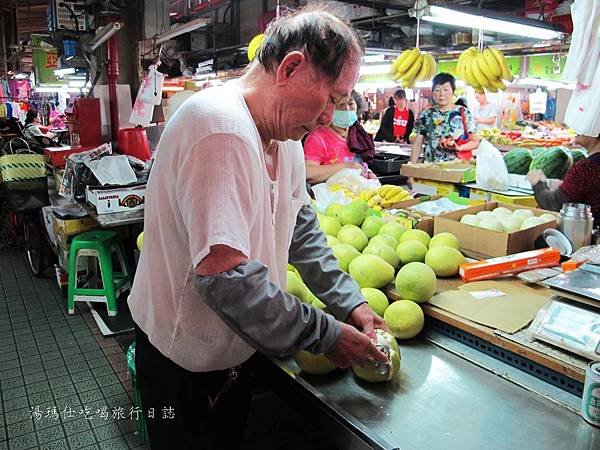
<point>585,281</point>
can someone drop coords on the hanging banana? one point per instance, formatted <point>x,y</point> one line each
<point>411,66</point>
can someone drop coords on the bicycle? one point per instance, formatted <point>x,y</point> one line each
<point>22,224</point>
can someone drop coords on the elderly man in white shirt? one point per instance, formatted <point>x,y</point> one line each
<point>226,209</point>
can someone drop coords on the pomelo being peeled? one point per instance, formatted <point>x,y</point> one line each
<point>354,236</point>
<point>371,271</point>
<point>416,281</point>
<point>368,372</point>
<point>313,364</point>
<point>376,299</point>
<point>444,260</point>
<point>404,318</point>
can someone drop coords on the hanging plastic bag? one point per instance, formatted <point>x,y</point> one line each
<point>491,172</point>
<point>324,197</point>
<point>353,180</point>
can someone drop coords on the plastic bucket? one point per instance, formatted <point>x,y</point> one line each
<point>134,142</point>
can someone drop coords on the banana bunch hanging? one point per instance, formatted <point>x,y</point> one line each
<point>412,66</point>
<point>483,70</point>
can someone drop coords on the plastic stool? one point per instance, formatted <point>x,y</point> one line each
<point>137,398</point>
<point>101,245</point>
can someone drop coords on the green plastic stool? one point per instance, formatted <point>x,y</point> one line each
<point>101,245</point>
<point>137,398</point>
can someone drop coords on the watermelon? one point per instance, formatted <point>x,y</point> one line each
<point>537,150</point>
<point>518,161</point>
<point>578,154</point>
<point>555,162</point>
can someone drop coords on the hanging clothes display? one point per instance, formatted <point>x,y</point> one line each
<point>19,89</point>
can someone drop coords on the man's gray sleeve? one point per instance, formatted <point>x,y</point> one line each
<point>319,268</point>
<point>551,200</point>
<point>270,320</point>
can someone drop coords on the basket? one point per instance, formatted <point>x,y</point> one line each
<point>21,166</point>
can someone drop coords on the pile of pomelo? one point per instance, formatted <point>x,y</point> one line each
<point>377,253</point>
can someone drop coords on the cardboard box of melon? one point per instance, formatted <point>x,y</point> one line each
<point>495,229</point>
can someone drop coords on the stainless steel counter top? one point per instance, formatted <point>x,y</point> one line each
<point>442,401</point>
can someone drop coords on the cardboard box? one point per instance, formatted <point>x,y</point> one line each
<point>48,217</point>
<point>75,226</point>
<point>428,187</point>
<point>520,200</point>
<point>425,223</point>
<point>447,172</point>
<point>113,200</point>
<point>481,242</point>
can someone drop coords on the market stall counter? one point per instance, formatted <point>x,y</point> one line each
<point>439,400</point>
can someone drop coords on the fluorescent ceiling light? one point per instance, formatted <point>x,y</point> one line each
<point>375,69</point>
<point>374,58</point>
<point>550,84</point>
<point>64,71</point>
<point>475,20</point>
<point>182,29</point>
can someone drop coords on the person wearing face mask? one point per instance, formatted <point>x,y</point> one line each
<point>397,122</point>
<point>446,130</point>
<point>581,184</point>
<point>326,149</point>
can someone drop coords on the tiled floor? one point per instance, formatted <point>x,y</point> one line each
<point>62,384</point>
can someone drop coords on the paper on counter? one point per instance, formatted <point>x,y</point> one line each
<point>509,313</point>
<point>113,170</point>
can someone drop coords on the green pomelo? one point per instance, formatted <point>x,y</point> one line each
<point>385,238</point>
<point>393,229</point>
<point>313,364</point>
<point>371,271</point>
<point>354,236</point>
<point>411,251</point>
<point>404,318</point>
<point>444,261</point>
<point>330,225</point>
<point>345,253</point>
<point>371,226</point>
<point>376,299</point>
<point>368,373</point>
<point>447,239</point>
<point>416,281</point>
<point>332,241</point>
<point>354,213</point>
<point>416,235</point>
<point>384,251</point>
<point>296,287</point>
<point>333,209</point>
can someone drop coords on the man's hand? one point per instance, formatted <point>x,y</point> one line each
<point>536,176</point>
<point>363,318</point>
<point>410,181</point>
<point>354,348</point>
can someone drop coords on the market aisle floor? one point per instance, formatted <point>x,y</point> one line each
<point>49,360</point>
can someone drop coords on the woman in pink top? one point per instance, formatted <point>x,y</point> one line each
<point>326,150</point>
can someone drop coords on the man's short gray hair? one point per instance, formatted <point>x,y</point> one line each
<point>328,41</point>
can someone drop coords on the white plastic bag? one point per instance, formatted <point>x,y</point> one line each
<point>491,172</point>
<point>324,197</point>
<point>353,180</point>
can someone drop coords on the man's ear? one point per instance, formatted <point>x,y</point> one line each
<point>289,67</point>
